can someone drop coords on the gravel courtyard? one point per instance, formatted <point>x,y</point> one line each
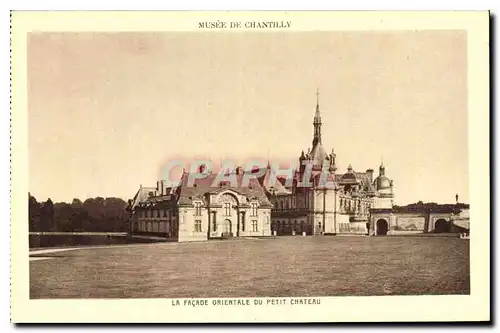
<point>284,266</point>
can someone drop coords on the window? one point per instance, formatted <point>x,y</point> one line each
<point>242,225</point>
<point>157,213</point>
<point>197,208</point>
<point>267,219</point>
<point>215,226</point>
<point>254,225</point>
<point>197,226</point>
<point>227,208</point>
<point>254,209</point>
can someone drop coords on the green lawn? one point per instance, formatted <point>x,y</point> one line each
<point>285,266</point>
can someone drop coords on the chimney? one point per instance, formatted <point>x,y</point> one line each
<point>157,187</point>
<point>162,188</point>
<point>239,170</point>
<point>369,172</point>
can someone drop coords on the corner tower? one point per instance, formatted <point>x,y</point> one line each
<point>384,190</point>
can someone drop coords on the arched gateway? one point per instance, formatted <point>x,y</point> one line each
<point>382,227</point>
<point>441,226</point>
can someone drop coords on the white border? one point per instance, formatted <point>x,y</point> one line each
<point>478,119</point>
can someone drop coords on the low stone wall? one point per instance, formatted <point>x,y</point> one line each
<point>37,240</point>
<point>61,240</point>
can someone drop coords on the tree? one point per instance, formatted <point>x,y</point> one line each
<point>47,216</point>
<point>116,216</point>
<point>63,217</point>
<point>76,203</point>
<point>34,214</point>
<point>93,215</point>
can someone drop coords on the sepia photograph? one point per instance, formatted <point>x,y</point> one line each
<point>244,164</point>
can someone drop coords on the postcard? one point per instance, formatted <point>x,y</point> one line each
<point>221,167</point>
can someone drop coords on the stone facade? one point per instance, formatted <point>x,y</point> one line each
<point>335,204</point>
<point>440,219</point>
<point>201,211</point>
<point>313,200</point>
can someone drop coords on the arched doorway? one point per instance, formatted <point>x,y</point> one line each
<point>227,228</point>
<point>441,226</point>
<point>382,227</point>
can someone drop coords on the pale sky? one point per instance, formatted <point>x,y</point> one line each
<point>107,111</point>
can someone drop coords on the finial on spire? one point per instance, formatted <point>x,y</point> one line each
<point>317,122</point>
<point>382,168</point>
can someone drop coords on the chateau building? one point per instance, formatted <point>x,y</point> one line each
<point>314,199</point>
<point>200,211</point>
<point>318,201</point>
<point>335,202</point>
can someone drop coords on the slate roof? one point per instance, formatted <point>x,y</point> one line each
<point>275,189</point>
<point>363,177</point>
<point>367,182</point>
<point>202,186</point>
<point>142,195</point>
<point>183,194</point>
<point>318,155</point>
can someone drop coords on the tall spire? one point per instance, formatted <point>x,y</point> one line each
<point>317,122</point>
<point>317,99</point>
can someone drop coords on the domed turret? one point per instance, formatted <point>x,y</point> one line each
<point>349,177</point>
<point>382,182</point>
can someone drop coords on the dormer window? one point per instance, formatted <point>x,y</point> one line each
<point>197,208</point>
<point>254,208</point>
<point>227,208</point>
